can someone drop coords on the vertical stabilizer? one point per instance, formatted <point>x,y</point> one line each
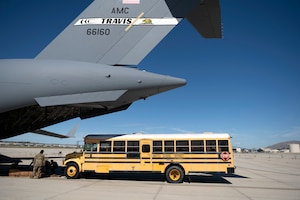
<point>118,32</point>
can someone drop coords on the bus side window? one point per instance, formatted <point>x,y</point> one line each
<point>133,149</point>
<point>133,146</point>
<point>223,145</point>
<point>182,146</point>
<point>119,146</point>
<point>90,147</point>
<point>197,146</point>
<point>211,146</point>
<point>169,146</point>
<point>157,146</point>
<point>105,146</point>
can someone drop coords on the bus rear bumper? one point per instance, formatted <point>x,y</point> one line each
<point>230,170</point>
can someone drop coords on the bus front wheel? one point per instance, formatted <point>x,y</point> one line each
<point>174,174</point>
<point>72,171</point>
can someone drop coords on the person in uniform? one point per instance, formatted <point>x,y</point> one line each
<point>38,163</point>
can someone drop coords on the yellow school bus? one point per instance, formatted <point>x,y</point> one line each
<point>175,155</point>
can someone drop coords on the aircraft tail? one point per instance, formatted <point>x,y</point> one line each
<point>123,32</point>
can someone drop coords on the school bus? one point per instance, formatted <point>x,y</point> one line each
<point>175,155</point>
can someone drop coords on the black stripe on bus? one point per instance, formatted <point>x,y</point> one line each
<point>148,162</point>
<point>176,153</point>
<point>112,162</point>
<point>190,162</point>
<point>124,158</point>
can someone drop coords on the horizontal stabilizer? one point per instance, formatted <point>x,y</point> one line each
<point>206,18</point>
<point>48,133</point>
<point>52,134</point>
<point>80,98</point>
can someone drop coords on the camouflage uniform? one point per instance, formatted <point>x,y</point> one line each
<point>38,163</point>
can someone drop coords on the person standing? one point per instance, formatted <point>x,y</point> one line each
<point>38,163</point>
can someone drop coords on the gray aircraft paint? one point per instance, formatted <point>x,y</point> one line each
<point>118,46</point>
<point>60,82</point>
<point>79,74</point>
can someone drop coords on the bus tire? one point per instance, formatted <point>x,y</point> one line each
<point>174,174</point>
<point>72,171</point>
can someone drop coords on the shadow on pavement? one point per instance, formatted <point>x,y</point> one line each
<point>208,178</point>
<point>59,171</point>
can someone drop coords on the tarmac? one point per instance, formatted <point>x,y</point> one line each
<point>258,177</point>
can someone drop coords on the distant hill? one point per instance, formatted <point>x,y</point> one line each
<point>283,145</point>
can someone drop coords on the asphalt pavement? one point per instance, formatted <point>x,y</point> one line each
<point>257,177</point>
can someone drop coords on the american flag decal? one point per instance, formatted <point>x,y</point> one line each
<point>131,2</point>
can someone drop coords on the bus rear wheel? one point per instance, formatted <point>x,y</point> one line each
<point>174,174</point>
<point>72,171</point>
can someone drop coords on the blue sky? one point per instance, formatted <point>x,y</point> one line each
<point>246,84</point>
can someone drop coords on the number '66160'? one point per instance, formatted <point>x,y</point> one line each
<point>98,31</point>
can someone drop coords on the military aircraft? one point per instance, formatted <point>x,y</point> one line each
<point>86,71</point>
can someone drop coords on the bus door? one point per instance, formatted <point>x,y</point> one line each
<point>146,154</point>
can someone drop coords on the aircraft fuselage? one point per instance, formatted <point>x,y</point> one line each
<point>59,82</point>
<point>37,93</point>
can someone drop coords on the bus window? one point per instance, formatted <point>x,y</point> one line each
<point>133,146</point>
<point>182,146</point>
<point>223,145</point>
<point>119,146</point>
<point>197,146</point>
<point>105,146</point>
<point>211,146</point>
<point>169,146</point>
<point>146,148</point>
<point>90,147</point>
<point>157,146</point>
